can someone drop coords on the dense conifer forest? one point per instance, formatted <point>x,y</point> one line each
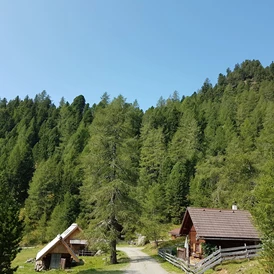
<point>118,169</point>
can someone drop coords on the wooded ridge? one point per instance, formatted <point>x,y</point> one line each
<point>118,169</point>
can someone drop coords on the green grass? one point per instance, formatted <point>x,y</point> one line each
<point>21,258</point>
<point>239,266</point>
<point>92,265</point>
<point>97,265</point>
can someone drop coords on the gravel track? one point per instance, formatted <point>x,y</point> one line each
<point>141,263</point>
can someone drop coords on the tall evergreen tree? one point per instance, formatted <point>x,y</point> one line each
<point>183,153</point>
<point>10,228</point>
<point>152,156</point>
<point>152,219</point>
<point>264,213</point>
<point>63,215</point>
<point>111,163</point>
<point>44,195</point>
<point>207,176</point>
<point>20,167</point>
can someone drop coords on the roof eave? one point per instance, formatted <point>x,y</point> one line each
<point>183,222</point>
<point>47,250</point>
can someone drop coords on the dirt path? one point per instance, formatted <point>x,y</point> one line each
<point>141,263</point>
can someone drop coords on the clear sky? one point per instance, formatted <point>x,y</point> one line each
<point>142,49</point>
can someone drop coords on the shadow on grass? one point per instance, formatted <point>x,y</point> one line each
<point>93,271</point>
<point>122,262</point>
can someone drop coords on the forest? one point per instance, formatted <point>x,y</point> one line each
<point>116,169</point>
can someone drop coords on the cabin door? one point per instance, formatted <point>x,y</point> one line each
<point>55,261</point>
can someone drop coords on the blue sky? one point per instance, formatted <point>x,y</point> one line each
<point>142,49</point>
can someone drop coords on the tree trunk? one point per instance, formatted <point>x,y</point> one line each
<point>113,255</point>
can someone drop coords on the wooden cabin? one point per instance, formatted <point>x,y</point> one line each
<point>62,250</point>
<point>217,227</point>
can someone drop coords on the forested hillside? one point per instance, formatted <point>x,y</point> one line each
<point>114,164</point>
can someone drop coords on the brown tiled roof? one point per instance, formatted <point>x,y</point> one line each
<point>216,223</point>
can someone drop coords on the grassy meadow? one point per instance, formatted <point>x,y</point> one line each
<point>99,264</point>
<point>240,266</point>
<point>92,265</point>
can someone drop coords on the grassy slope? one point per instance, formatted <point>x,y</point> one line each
<point>243,266</point>
<point>92,265</point>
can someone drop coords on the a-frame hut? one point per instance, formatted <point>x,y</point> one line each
<point>62,250</point>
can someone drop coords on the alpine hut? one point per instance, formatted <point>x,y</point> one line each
<point>62,250</point>
<point>217,227</point>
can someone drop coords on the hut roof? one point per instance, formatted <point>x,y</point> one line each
<point>59,239</point>
<point>70,230</point>
<point>219,224</point>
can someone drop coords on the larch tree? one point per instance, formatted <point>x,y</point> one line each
<point>152,156</point>
<point>44,195</point>
<point>150,188</point>
<point>111,165</point>
<point>263,212</point>
<point>63,215</point>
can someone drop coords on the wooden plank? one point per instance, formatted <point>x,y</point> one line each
<point>209,257</point>
<point>227,254</point>
<point>241,247</point>
<point>247,252</point>
<point>176,262</point>
<point>55,260</point>
<point>211,262</point>
<point>171,258</point>
<point>204,261</point>
<point>200,271</point>
<point>236,257</point>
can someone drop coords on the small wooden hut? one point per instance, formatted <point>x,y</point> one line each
<point>62,250</point>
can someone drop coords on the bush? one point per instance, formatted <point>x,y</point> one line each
<point>208,248</point>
